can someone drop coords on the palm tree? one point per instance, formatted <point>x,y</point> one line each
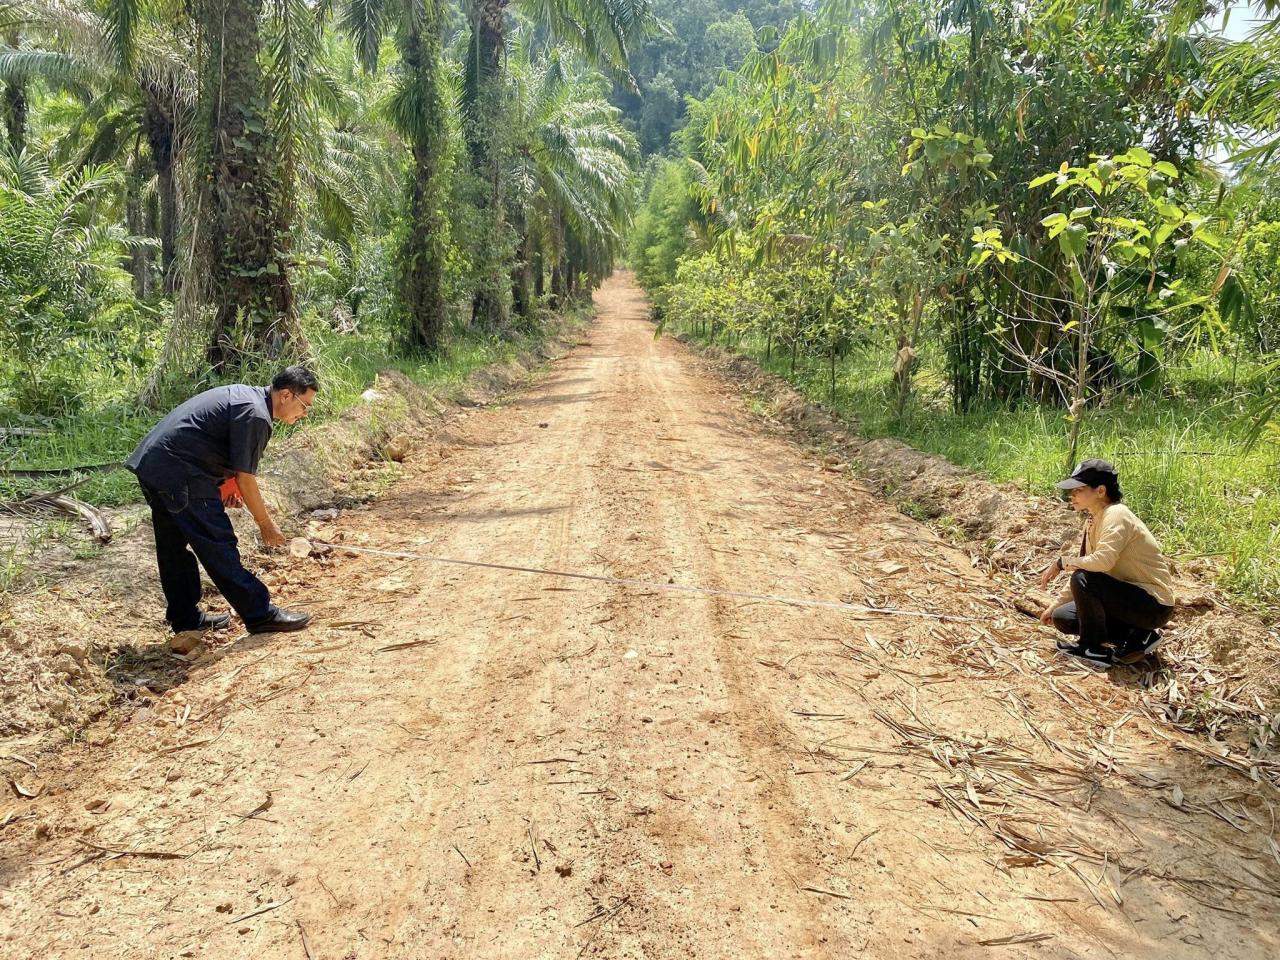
<point>572,178</point>
<point>137,86</point>
<point>349,153</point>
<point>419,111</point>
<point>13,106</point>
<point>249,280</point>
<point>600,30</point>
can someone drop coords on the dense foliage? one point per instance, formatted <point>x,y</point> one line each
<point>1035,193</point>
<point>188,190</point>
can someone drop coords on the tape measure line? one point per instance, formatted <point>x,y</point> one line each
<point>652,585</point>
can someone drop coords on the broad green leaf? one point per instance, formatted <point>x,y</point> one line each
<point>1140,156</point>
<point>1074,239</point>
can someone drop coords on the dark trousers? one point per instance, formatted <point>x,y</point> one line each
<point>1106,610</point>
<point>191,529</point>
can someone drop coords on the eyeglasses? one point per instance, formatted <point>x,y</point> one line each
<point>306,404</point>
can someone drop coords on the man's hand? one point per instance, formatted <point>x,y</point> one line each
<point>1049,574</point>
<point>248,486</point>
<point>230,493</point>
<point>271,535</point>
<point>1047,616</point>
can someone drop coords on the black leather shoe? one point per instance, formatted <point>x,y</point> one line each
<point>281,621</point>
<point>209,621</point>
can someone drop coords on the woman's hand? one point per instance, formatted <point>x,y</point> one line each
<point>1050,573</point>
<point>1047,616</point>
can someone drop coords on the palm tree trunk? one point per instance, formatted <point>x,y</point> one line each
<point>522,277</point>
<point>135,223</point>
<point>168,228</point>
<point>15,104</point>
<point>484,76</point>
<point>483,95</point>
<point>573,265</point>
<point>539,269</point>
<point>160,137</point>
<point>422,249</point>
<point>252,296</point>
<point>557,286</point>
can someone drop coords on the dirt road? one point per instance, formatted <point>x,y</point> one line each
<point>471,763</point>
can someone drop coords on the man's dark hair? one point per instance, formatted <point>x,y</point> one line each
<point>296,378</point>
<point>1114,495</point>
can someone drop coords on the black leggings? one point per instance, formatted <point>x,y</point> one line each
<point>1106,610</point>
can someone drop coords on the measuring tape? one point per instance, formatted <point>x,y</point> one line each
<point>654,585</point>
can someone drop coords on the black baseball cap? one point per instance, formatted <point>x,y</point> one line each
<point>1090,473</point>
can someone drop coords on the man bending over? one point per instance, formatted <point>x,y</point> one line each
<point>216,436</point>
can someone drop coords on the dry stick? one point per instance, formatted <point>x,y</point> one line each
<point>961,913</point>
<point>857,769</point>
<point>405,646</point>
<point>463,856</point>
<point>533,845</point>
<point>1017,938</point>
<point>261,910</point>
<point>651,585</point>
<point>826,893</point>
<point>281,693</point>
<point>194,743</point>
<point>306,947</point>
<point>328,649</point>
<point>864,839</point>
<point>223,702</point>
<point>14,816</point>
<point>143,854</point>
<point>336,902</point>
<point>601,912</point>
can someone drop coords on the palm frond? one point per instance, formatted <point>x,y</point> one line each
<point>120,19</point>
<point>365,22</point>
<point>59,70</point>
<point>26,173</point>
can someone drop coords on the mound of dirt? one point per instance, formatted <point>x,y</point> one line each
<point>1224,665</point>
<point>84,627</point>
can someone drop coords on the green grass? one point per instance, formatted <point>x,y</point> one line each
<point>1182,460</point>
<point>108,432</point>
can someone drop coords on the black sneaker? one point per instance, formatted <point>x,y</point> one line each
<point>1141,644</point>
<point>1099,659</point>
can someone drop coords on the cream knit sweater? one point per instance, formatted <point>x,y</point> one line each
<point>1119,544</point>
